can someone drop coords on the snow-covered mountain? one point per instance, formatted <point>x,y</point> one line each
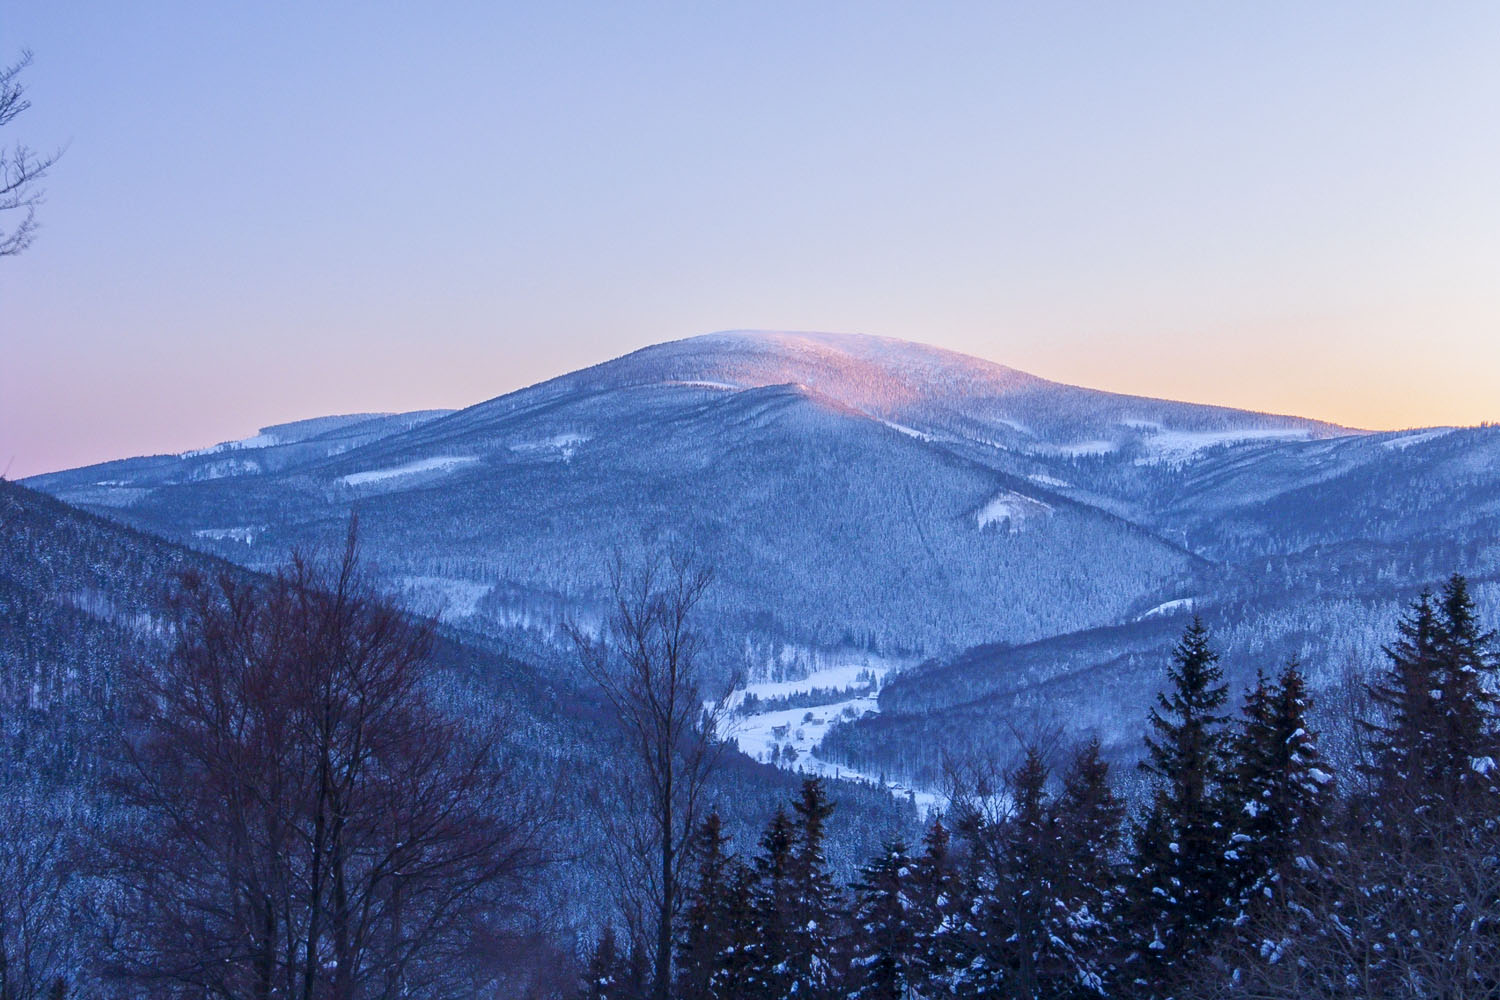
<point>862,493</point>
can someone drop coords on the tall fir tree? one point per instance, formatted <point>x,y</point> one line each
<point>1182,891</point>
<point>606,974</point>
<point>1091,890</point>
<point>976,939</point>
<point>768,966</point>
<point>1035,956</point>
<point>706,932</point>
<point>1403,738</point>
<point>1278,791</point>
<point>815,900</point>
<point>736,959</point>
<point>939,913</point>
<point>1468,702</point>
<point>883,962</point>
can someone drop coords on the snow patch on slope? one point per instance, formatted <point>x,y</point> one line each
<point>562,444</point>
<point>908,431</point>
<point>1010,509</point>
<point>1077,449</point>
<point>453,598</point>
<point>1166,447</point>
<point>245,535</point>
<point>1169,607</point>
<point>789,737</point>
<point>1405,441</point>
<point>442,463</point>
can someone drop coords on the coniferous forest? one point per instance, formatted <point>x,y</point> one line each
<point>292,787</point>
<point>1252,868</point>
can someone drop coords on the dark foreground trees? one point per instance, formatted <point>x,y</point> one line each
<point>1257,873</point>
<point>302,820</point>
<point>37,946</point>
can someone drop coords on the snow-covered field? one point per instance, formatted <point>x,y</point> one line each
<point>789,737</point>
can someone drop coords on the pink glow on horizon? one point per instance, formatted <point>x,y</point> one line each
<point>276,211</point>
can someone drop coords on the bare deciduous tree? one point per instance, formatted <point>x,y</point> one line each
<point>647,664</point>
<point>21,167</point>
<point>35,935</point>
<point>304,821</point>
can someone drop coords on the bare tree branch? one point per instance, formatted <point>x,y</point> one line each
<point>21,167</point>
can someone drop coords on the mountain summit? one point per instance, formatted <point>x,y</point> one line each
<point>1034,543</point>
<point>929,390</point>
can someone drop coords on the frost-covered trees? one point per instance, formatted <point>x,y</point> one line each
<point>1182,888</point>
<point>717,922</point>
<point>1278,792</point>
<point>38,940</point>
<point>1034,904</point>
<point>1432,744</point>
<point>883,962</point>
<point>1090,880</point>
<point>815,899</point>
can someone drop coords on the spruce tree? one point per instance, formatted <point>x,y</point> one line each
<point>1088,816</point>
<point>1466,675</point>
<point>939,912</point>
<point>883,950</point>
<point>1404,737</point>
<point>735,963</point>
<point>705,933</point>
<point>1182,891</point>
<point>768,968</point>
<point>1278,789</point>
<point>975,940</point>
<point>1033,953</point>
<point>814,902</point>
<point>605,975</point>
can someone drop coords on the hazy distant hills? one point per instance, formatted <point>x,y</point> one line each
<point>861,492</point>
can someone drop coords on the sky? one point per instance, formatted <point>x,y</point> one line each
<point>273,211</point>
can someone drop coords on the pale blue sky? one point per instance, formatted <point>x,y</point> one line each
<point>274,210</point>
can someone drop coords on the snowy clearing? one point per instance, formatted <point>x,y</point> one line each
<point>789,737</point>
<point>246,535</point>
<point>1405,441</point>
<point>563,445</point>
<point>254,441</point>
<point>1010,509</point>
<point>908,431</point>
<point>1169,607</point>
<point>444,463</point>
<point>1179,447</point>
<point>1076,449</point>
<point>704,384</point>
<point>446,597</point>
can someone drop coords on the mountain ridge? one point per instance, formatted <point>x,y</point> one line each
<point>859,493</point>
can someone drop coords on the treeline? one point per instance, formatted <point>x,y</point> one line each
<point>1248,871</point>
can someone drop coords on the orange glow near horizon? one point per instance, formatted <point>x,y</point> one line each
<point>1289,208</point>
